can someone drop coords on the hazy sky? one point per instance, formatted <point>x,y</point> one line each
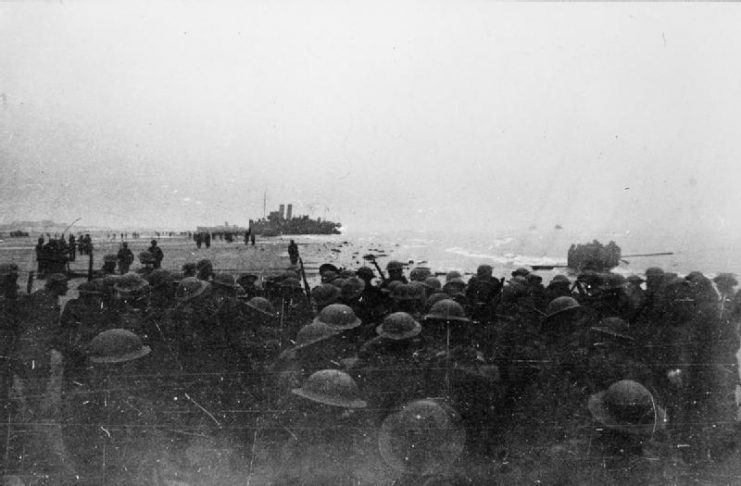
<point>399,114</point>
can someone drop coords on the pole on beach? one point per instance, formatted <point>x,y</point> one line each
<point>70,225</point>
<point>90,264</point>
<point>306,282</point>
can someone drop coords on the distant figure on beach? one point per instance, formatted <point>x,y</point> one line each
<point>293,252</point>
<point>72,248</point>
<point>125,258</point>
<point>207,240</point>
<point>39,259</point>
<point>156,252</point>
<point>252,238</point>
<point>247,236</point>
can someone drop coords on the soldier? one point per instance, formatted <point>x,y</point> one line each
<point>481,291</point>
<point>328,272</point>
<point>82,319</point>
<point>35,361</point>
<point>146,259</point>
<point>88,244</point>
<point>293,252</point>
<point>396,347</point>
<point>395,271</point>
<point>111,428</point>
<point>125,258</point>
<point>635,292</point>
<point>326,432</point>
<point>419,274</point>
<point>109,264</point>
<point>10,317</point>
<point>72,248</point>
<point>132,301</point>
<point>40,260</point>
<point>407,298</point>
<point>612,301</point>
<point>205,269</point>
<point>343,320</point>
<point>611,356</point>
<point>248,282</point>
<point>630,445</point>
<point>189,269</point>
<point>156,252</point>
<point>559,286</point>
<point>324,295</point>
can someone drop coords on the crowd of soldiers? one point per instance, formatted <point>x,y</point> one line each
<point>371,379</point>
<point>53,255</point>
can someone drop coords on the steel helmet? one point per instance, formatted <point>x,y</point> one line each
<point>365,273</point>
<point>452,274</point>
<point>404,291</point>
<point>325,294</point>
<point>224,280</point>
<point>447,310</point>
<point>560,305</point>
<point>116,346</point>
<point>131,283</point>
<point>313,333</point>
<point>435,298</point>
<point>190,288</point>
<point>520,272</point>
<point>394,265</point>
<point>654,272</point>
<point>725,280</point>
<point>419,274</point>
<point>560,280</point>
<point>352,288</point>
<point>262,305</point>
<point>627,406</point>
<point>328,267</point>
<point>433,283</point>
<point>338,316</point>
<point>613,327</point>
<point>484,271</point>
<point>454,286</point>
<point>398,326</point>
<point>424,437</point>
<point>331,387</point>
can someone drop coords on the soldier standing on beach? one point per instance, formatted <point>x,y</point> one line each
<point>156,252</point>
<point>293,252</point>
<point>72,248</point>
<point>125,258</point>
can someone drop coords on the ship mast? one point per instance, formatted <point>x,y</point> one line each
<point>264,204</point>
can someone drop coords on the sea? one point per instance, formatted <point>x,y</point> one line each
<point>505,251</point>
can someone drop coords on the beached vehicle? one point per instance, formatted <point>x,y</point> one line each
<point>595,257</point>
